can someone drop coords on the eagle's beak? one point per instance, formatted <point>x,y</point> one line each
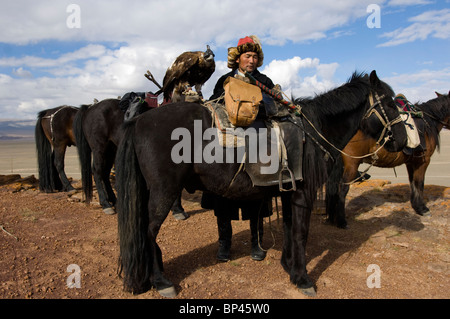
<point>209,55</point>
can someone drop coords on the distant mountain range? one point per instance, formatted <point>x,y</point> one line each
<point>17,129</point>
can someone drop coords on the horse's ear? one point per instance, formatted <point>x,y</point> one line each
<point>438,94</point>
<point>374,80</point>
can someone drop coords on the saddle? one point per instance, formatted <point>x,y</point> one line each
<point>283,136</point>
<point>413,119</point>
<point>130,102</point>
<point>288,145</point>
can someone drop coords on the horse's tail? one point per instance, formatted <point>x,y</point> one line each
<point>84,154</point>
<point>135,261</point>
<point>49,180</point>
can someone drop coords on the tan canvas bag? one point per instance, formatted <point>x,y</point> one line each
<point>241,101</point>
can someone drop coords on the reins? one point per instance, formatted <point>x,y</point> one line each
<point>446,125</point>
<point>386,126</point>
<point>374,101</point>
<point>278,95</point>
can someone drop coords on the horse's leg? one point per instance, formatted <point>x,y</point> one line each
<point>286,257</point>
<point>301,215</point>
<point>335,206</point>
<point>296,219</point>
<point>178,210</point>
<point>159,207</point>
<point>98,169</point>
<point>350,174</point>
<point>60,153</point>
<point>341,220</point>
<point>106,173</point>
<point>416,175</point>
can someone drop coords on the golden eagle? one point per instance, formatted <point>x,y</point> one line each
<point>190,69</point>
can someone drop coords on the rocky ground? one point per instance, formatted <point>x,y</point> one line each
<point>44,237</point>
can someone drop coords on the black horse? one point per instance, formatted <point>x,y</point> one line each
<point>148,180</point>
<point>98,132</point>
<point>53,134</point>
<point>436,115</point>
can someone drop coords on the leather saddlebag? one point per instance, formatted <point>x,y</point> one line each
<point>241,101</point>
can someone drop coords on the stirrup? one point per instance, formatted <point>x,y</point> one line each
<point>291,175</point>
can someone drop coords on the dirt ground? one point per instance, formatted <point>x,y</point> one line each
<point>43,236</point>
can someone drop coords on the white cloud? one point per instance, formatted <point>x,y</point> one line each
<point>194,22</point>
<point>292,75</point>
<point>124,39</point>
<point>90,72</point>
<point>434,23</point>
<point>127,38</point>
<point>21,72</point>
<point>421,85</point>
<point>122,70</point>
<point>408,2</point>
<point>88,52</point>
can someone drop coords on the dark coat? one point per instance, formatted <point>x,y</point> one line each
<point>219,90</point>
<point>224,207</point>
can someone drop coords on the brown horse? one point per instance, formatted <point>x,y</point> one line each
<point>53,134</point>
<point>436,115</point>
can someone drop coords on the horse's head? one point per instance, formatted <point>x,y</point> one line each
<point>382,120</point>
<point>445,102</point>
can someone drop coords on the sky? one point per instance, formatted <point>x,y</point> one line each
<point>62,52</point>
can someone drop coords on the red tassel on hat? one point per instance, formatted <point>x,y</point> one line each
<point>245,40</point>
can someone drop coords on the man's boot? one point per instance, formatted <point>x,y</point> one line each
<point>257,231</point>
<point>225,233</point>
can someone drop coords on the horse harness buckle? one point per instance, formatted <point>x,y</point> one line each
<point>387,125</point>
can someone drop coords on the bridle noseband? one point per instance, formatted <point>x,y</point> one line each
<point>375,100</point>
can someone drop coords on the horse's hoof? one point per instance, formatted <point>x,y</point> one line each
<point>309,292</point>
<point>342,226</point>
<point>70,192</point>
<point>423,212</point>
<point>181,216</point>
<point>169,292</point>
<point>109,211</point>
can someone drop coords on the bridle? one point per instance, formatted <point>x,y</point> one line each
<point>375,100</point>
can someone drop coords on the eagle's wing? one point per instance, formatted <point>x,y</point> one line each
<point>182,64</point>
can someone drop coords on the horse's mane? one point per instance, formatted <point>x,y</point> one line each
<point>434,109</point>
<point>42,113</point>
<point>344,98</point>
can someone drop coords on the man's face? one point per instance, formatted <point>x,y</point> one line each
<point>248,62</point>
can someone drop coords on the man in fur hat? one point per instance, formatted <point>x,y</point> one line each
<point>247,56</point>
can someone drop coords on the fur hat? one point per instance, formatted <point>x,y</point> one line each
<point>247,44</point>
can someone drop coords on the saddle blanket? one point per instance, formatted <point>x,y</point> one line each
<point>407,111</point>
